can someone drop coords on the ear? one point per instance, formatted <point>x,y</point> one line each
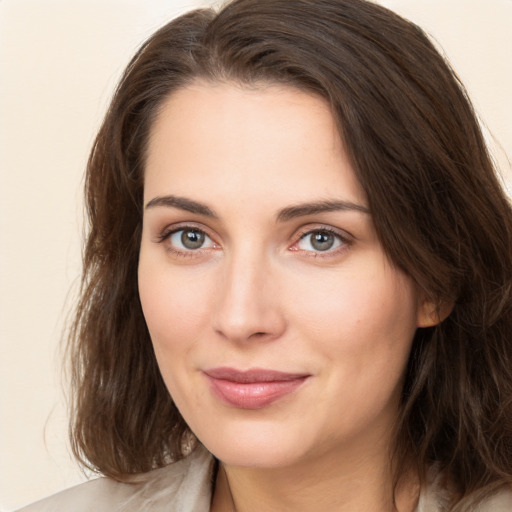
<point>431,313</point>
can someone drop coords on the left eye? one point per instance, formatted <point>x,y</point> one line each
<point>319,241</point>
<point>190,240</point>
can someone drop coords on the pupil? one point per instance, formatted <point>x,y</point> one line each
<point>192,239</point>
<point>322,241</point>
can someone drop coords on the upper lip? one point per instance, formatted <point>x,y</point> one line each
<point>252,375</point>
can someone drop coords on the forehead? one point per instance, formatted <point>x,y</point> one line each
<point>267,139</point>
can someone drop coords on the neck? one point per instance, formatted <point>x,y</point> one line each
<point>327,483</point>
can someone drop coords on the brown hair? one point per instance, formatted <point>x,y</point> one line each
<point>437,205</point>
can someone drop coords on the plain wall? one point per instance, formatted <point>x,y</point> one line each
<point>59,62</point>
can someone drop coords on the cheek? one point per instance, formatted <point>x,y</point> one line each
<point>176,307</point>
<point>175,304</point>
<point>360,327</point>
<point>372,309</point>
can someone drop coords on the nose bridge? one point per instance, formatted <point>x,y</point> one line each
<point>247,307</point>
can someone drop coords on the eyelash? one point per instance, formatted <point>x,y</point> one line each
<point>190,253</point>
<point>345,241</point>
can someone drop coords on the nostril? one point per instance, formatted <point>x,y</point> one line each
<point>259,334</point>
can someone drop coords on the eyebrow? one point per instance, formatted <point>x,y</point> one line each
<point>303,209</point>
<point>284,215</point>
<point>182,203</point>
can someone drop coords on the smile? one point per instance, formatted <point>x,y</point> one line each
<point>252,389</point>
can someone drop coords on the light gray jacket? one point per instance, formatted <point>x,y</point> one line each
<point>186,486</point>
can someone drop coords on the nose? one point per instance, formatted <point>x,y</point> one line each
<point>248,306</point>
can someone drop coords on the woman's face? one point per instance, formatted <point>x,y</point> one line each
<point>280,327</point>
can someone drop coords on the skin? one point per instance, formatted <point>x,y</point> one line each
<point>259,294</point>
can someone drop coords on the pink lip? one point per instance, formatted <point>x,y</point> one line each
<point>252,389</point>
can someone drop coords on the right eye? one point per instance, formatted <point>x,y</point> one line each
<point>189,239</point>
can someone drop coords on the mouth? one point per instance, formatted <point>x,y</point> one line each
<point>252,389</point>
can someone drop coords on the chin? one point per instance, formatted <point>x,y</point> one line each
<point>256,456</point>
<point>256,446</point>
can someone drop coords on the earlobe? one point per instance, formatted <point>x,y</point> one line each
<point>431,313</point>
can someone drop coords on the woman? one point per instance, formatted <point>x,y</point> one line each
<point>296,291</point>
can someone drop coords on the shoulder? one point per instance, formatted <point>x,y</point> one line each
<point>436,498</point>
<point>186,485</point>
<point>103,491</point>
<point>499,502</point>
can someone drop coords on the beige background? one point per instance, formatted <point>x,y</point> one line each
<point>59,61</point>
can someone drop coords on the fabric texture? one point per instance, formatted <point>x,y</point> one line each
<point>186,486</point>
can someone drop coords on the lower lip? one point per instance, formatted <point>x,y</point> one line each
<point>253,395</point>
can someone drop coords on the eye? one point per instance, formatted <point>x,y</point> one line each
<point>320,240</point>
<point>189,239</point>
